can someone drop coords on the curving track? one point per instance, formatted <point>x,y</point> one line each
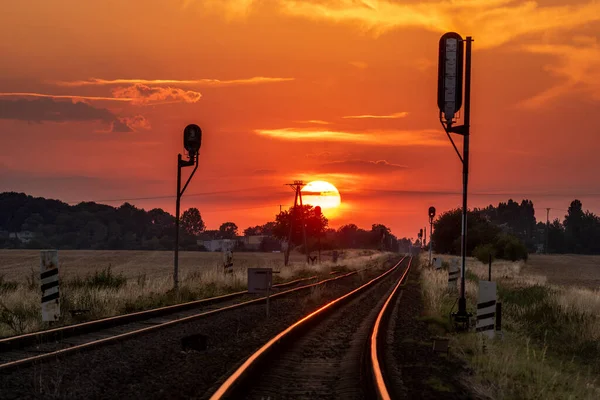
<point>332,353</point>
<point>37,347</point>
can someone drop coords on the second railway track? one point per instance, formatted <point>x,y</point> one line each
<point>333,353</point>
<point>39,346</point>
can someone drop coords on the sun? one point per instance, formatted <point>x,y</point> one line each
<point>323,194</point>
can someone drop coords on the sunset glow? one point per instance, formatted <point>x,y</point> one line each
<point>338,91</point>
<point>322,194</point>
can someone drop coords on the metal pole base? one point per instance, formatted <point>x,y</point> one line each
<point>462,318</point>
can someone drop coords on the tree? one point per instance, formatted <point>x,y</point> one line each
<point>447,231</point>
<point>228,230</point>
<point>315,223</point>
<point>191,222</point>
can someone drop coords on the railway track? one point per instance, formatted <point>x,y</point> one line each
<point>37,347</point>
<point>335,352</point>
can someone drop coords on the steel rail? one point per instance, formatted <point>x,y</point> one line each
<point>250,365</point>
<point>127,335</point>
<point>376,340</point>
<point>12,342</point>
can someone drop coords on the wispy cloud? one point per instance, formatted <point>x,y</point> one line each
<point>143,94</point>
<point>491,22</point>
<point>47,109</point>
<point>314,121</point>
<point>181,82</point>
<point>357,166</point>
<point>75,98</point>
<point>578,66</point>
<point>389,116</point>
<point>393,138</point>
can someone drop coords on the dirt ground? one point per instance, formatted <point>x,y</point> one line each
<point>567,269</point>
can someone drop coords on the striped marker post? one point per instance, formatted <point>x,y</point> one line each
<point>49,285</point>
<point>438,262</point>
<point>486,308</point>
<point>453,274</point>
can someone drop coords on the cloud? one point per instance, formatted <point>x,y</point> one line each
<point>324,154</point>
<point>427,137</point>
<point>130,124</point>
<point>577,65</point>
<point>368,116</point>
<point>189,82</point>
<point>491,22</point>
<point>143,94</point>
<point>49,110</point>
<point>361,167</point>
<point>314,121</point>
<point>46,109</point>
<point>74,98</point>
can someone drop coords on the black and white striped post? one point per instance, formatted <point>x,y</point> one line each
<point>486,308</point>
<point>49,285</point>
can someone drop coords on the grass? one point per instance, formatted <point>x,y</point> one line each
<point>550,344</point>
<point>100,284</point>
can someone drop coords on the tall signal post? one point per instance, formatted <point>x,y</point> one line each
<point>297,187</point>
<point>431,217</point>
<point>192,140</point>
<point>547,229</point>
<point>450,96</point>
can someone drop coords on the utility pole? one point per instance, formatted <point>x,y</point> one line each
<point>192,140</point>
<point>297,187</point>
<point>450,87</point>
<point>547,229</point>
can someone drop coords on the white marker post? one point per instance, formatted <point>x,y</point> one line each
<point>438,262</point>
<point>486,308</point>
<point>453,274</point>
<point>260,281</point>
<point>49,285</point>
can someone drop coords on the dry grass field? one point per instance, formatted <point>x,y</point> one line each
<point>107,283</point>
<point>550,346</point>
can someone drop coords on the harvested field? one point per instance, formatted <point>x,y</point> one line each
<point>566,269</point>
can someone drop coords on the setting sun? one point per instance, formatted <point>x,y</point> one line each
<point>323,194</point>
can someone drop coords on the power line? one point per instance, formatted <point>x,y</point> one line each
<point>162,197</point>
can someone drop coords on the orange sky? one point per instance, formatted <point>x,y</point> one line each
<point>94,96</point>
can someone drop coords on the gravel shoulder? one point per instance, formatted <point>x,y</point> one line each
<point>416,371</point>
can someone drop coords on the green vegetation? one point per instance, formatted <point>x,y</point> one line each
<point>103,279</point>
<point>7,286</point>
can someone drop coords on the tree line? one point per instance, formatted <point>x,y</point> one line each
<point>88,225</point>
<point>511,230</point>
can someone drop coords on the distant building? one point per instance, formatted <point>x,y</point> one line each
<point>218,244</point>
<point>252,242</point>
<point>23,236</point>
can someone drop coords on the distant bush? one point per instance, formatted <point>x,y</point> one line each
<point>509,247</point>
<point>104,279</point>
<point>483,252</point>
